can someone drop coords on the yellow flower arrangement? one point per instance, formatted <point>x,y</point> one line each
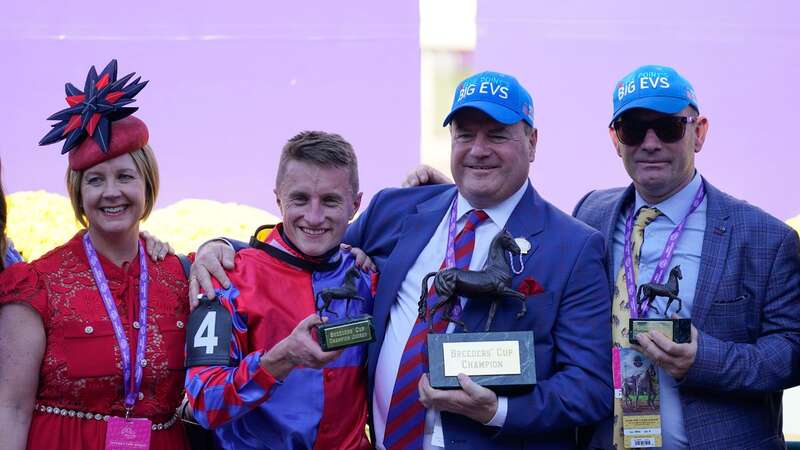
<point>794,222</point>
<point>188,223</point>
<point>39,221</point>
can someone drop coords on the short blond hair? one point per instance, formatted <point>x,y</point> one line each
<point>320,149</point>
<point>145,161</point>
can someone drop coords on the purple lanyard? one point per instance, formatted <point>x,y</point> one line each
<point>450,254</point>
<point>666,255</point>
<point>131,392</point>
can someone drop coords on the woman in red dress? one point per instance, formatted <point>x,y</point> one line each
<point>92,333</point>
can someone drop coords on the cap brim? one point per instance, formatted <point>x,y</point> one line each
<point>495,111</point>
<point>666,105</point>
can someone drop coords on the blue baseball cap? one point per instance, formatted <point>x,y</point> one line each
<point>497,94</point>
<point>659,88</point>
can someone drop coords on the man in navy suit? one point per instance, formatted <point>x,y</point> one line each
<point>405,231</point>
<point>740,266</point>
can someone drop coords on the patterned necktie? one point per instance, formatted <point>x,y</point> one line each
<point>620,307</point>
<point>405,423</point>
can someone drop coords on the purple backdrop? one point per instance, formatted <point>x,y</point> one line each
<point>230,83</point>
<point>741,58</point>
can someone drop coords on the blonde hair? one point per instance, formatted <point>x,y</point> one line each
<point>320,149</point>
<point>145,161</point>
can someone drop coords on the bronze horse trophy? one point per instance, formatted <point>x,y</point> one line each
<point>343,333</point>
<point>494,281</point>
<point>649,291</point>
<point>346,291</point>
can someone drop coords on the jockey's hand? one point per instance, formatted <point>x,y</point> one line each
<point>299,349</point>
<point>212,259</point>
<point>676,359</point>
<point>472,400</point>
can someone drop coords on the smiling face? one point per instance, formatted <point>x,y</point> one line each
<point>659,169</point>
<point>316,203</point>
<point>489,160</point>
<point>113,196</point>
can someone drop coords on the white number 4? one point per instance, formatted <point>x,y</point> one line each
<point>206,336</point>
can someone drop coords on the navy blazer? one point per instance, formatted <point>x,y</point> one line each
<point>569,319</point>
<point>747,311</point>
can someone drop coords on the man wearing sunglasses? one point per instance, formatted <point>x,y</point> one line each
<point>740,277</point>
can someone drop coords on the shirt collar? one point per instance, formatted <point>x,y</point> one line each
<point>499,213</point>
<point>676,206</point>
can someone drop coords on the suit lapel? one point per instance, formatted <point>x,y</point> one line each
<point>526,221</point>
<point>415,233</point>
<point>716,241</point>
<point>610,227</point>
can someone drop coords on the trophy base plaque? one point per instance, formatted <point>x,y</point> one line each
<point>500,361</point>
<point>679,330</point>
<point>334,336</point>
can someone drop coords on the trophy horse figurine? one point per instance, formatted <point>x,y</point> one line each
<point>346,291</point>
<point>649,291</point>
<point>494,281</point>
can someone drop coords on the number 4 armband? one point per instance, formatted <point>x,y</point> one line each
<point>208,335</point>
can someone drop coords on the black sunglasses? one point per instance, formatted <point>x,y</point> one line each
<point>669,129</point>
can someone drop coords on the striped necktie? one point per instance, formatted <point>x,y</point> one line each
<point>405,422</point>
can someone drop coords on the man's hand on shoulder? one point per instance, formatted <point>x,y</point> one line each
<point>363,261</point>
<point>423,175</point>
<point>212,259</point>
<point>472,400</point>
<point>299,349</point>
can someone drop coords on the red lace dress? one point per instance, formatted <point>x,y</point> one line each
<point>81,370</point>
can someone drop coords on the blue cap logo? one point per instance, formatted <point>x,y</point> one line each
<point>496,94</point>
<point>658,88</point>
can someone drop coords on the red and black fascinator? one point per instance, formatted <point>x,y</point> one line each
<point>99,112</point>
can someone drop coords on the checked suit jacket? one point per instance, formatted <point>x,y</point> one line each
<point>569,319</point>
<point>747,311</point>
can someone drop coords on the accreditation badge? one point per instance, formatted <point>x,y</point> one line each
<point>641,405</point>
<point>128,434</point>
